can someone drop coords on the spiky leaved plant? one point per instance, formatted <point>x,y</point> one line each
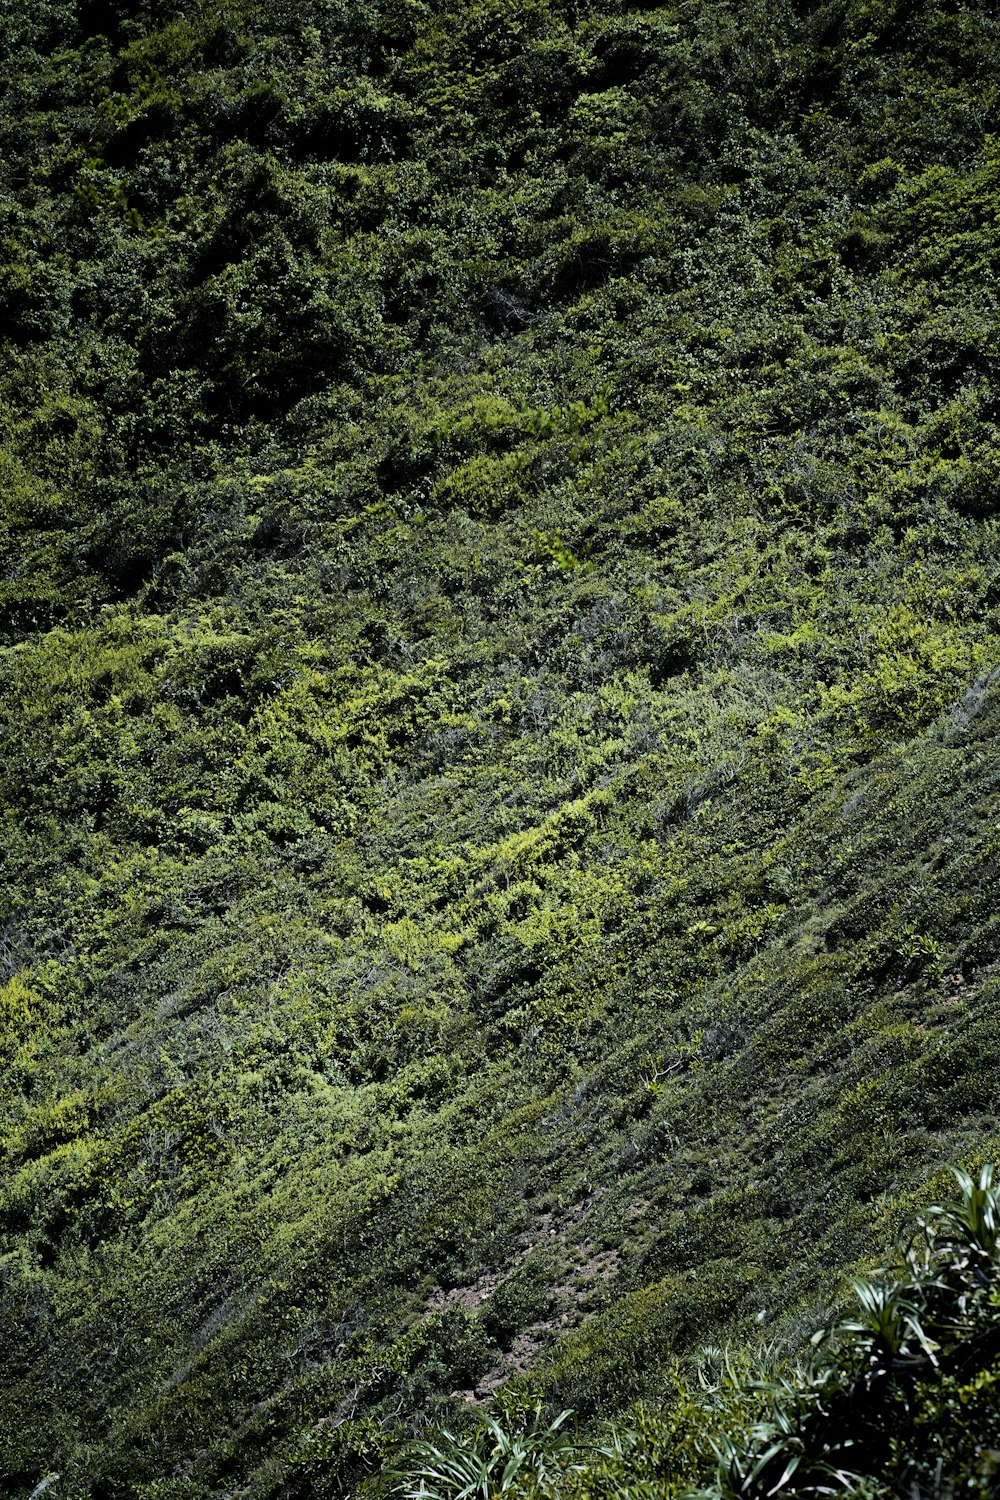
<point>495,1460</point>
<point>794,1447</point>
<point>885,1333</point>
<point>975,1220</point>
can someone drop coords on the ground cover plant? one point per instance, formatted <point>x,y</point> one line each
<point>897,1398</point>
<point>500,688</point>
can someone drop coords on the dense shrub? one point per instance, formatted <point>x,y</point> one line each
<point>897,1398</point>
<point>498,694</point>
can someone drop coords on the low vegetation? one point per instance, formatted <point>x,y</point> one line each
<point>897,1398</point>
<point>499,696</point>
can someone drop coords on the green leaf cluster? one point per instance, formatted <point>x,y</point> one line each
<point>498,704</point>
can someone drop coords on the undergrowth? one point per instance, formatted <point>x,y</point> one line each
<point>898,1397</point>
<point>499,702</point>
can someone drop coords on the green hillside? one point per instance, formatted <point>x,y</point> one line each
<point>500,661</point>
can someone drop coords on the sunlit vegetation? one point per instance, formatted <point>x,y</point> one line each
<point>500,691</point>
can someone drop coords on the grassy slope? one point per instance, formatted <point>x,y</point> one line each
<point>499,719</point>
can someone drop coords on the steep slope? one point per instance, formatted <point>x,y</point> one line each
<point>500,697</point>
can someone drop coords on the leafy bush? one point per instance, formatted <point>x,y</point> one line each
<point>498,629</point>
<point>897,1398</point>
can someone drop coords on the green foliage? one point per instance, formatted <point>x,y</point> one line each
<point>498,699</point>
<point>879,1414</point>
<point>881,1409</point>
<point>497,1460</point>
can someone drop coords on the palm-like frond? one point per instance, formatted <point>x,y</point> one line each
<point>975,1219</point>
<point>886,1327</point>
<point>493,1461</point>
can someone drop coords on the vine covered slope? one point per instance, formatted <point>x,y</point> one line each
<point>500,656</point>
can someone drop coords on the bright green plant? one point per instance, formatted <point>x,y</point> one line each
<point>885,1333</point>
<point>974,1222</point>
<point>496,1460</point>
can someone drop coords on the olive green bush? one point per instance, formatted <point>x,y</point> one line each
<point>498,703</point>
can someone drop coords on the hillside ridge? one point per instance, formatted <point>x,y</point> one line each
<point>499,639</point>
